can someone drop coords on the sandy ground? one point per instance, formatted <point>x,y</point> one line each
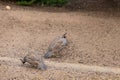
<point>93,40</point>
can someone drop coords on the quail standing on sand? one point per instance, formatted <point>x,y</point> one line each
<point>56,46</point>
<point>35,59</point>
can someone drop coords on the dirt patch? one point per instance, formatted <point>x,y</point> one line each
<point>62,66</point>
<point>94,4</point>
<point>93,40</point>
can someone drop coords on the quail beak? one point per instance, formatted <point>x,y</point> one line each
<point>22,61</point>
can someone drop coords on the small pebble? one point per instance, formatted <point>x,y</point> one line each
<point>8,7</point>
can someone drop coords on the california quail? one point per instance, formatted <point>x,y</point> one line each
<point>56,46</point>
<point>35,60</point>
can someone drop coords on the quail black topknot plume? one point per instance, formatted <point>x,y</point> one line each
<point>35,60</point>
<point>56,46</point>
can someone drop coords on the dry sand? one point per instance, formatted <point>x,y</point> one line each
<point>93,41</point>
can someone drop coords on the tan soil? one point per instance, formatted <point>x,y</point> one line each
<point>93,40</point>
<point>64,66</point>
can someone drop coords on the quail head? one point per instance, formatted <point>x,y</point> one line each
<point>56,46</point>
